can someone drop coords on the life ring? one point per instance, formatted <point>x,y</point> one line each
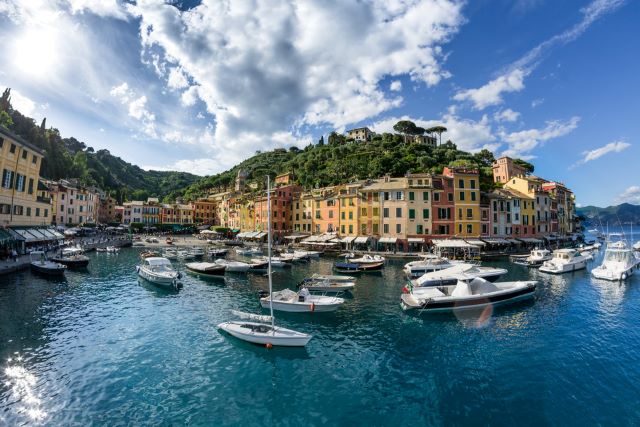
<point>312,307</point>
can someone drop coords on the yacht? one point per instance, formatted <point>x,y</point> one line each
<point>159,271</point>
<point>618,263</point>
<point>564,261</point>
<point>427,264</point>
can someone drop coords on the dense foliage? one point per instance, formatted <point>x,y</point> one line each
<point>70,158</point>
<point>342,160</point>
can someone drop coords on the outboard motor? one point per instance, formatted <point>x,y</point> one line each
<point>263,293</point>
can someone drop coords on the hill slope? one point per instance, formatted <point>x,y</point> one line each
<point>70,158</point>
<point>613,215</point>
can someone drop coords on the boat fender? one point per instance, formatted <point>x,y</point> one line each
<point>624,276</point>
<point>313,307</point>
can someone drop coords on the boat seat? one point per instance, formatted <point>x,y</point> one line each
<point>462,289</point>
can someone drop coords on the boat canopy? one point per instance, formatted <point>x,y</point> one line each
<point>157,261</point>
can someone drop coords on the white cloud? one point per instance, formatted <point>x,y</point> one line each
<point>21,102</point>
<point>507,115</point>
<point>491,93</point>
<point>630,195</point>
<point>512,80</point>
<point>138,109</point>
<point>612,147</point>
<point>264,69</point>
<point>121,92</point>
<point>520,144</point>
<point>395,86</point>
<point>104,8</point>
<point>177,79</point>
<point>468,135</point>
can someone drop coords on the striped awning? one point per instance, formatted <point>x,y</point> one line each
<point>361,239</point>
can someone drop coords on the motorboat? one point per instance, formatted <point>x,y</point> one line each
<point>114,249</point>
<point>259,266</point>
<point>564,261</point>
<point>148,254</point>
<point>159,271</point>
<point>169,241</point>
<point>234,266</point>
<point>351,267</point>
<point>258,330</point>
<point>197,252</point>
<point>40,264</point>
<point>366,259</point>
<point>333,278</point>
<point>618,263</point>
<point>636,246</point>
<point>170,253</point>
<point>427,264</point>
<point>307,254</point>
<point>452,275</point>
<point>293,257</point>
<point>301,302</point>
<point>325,285</point>
<point>463,295</point>
<point>535,258</point>
<point>249,251</point>
<point>217,252</point>
<point>206,268</point>
<point>72,257</point>
<point>276,262</point>
<point>185,254</point>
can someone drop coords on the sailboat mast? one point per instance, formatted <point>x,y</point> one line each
<point>269,251</point>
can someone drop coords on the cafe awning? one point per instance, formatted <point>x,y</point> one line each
<point>361,239</point>
<point>415,240</point>
<point>475,242</point>
<point>388,240</point>
<point>453,243</point>
<point>529,240</point>
<point>348,239</point>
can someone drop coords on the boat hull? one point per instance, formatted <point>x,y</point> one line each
<point>53,272</point>
<point>164,282</point>
<point>564,268</point>
<point>278,336</point>
<point>301,307</point>
<point>72,263</point>
<point>469,303</point>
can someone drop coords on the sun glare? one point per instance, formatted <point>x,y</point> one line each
<point>35,52</point>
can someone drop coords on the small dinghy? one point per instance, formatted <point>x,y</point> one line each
<point>326,285</point>
<point>301,302</point>
<point>333,278</point>
<point>206,268</point>
<point>72,257</point>
<point>350,267</point>
<point>466,295</point>
<point>261,330</point>
<point>365,259</point>
<point>114,249</point>
<point>41,265</point>
<point>234,266</point>
<point>259,267</point>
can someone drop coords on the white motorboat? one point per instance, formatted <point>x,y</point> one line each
<point>72,257</point>
<point>463,295</point>
<point>217,252</point>
<point>159,271</point>
<point>234,266</point>
<point>325,285</point>
<point>427,264</point>
<point>276,262</point>
<point>262,333</point>
<point>366,259</point>
<point>301,302</point>
<point>40,264</point>
<point>307,254</point>
<point>197,252</point>
<point>170,254</point>
<point>112,249</point>
<point>249,251</point>
<point>564,261</point>
<point>185,254</point>
<point>206,268</point>
<point>292,257</point>
<point>452,275</point>
<point>333,278</point>
<point>538,256</point>
<point>618,263</point>
<point>637,246</point>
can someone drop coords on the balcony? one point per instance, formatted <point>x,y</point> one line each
<point>46,200</point>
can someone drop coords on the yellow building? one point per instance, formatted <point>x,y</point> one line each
<point>369,218</point>
<point>466,190</point>
<point>349,205</point>
<point>20,163</point>
<point>531,186</point>
<point>247,216</point>
<point>419,211</point>
<point>302,211</point>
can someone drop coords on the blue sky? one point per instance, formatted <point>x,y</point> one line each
<point>199,86</point>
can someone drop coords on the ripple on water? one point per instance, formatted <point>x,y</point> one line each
<point>103,347</point>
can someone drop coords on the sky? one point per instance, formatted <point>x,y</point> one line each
<point>198,86</point>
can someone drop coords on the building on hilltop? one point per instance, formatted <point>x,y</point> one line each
<point>363,134</point>
<point>505,168</point>
<point>20,163</point>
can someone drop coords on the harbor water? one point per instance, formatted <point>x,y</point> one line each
<point>102,347</point>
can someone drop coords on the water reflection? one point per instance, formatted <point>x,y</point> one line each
<point>21,391</point>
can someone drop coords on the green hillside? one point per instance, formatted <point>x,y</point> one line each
<point>70,158</point>
<point>613,215</point>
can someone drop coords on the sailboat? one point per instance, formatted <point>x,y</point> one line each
<point>259,329</point>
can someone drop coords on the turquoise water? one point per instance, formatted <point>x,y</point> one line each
<point>103,348</point>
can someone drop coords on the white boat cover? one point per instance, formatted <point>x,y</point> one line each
<point>251,316</point>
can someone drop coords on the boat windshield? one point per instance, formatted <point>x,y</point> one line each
<point>624,257</point>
